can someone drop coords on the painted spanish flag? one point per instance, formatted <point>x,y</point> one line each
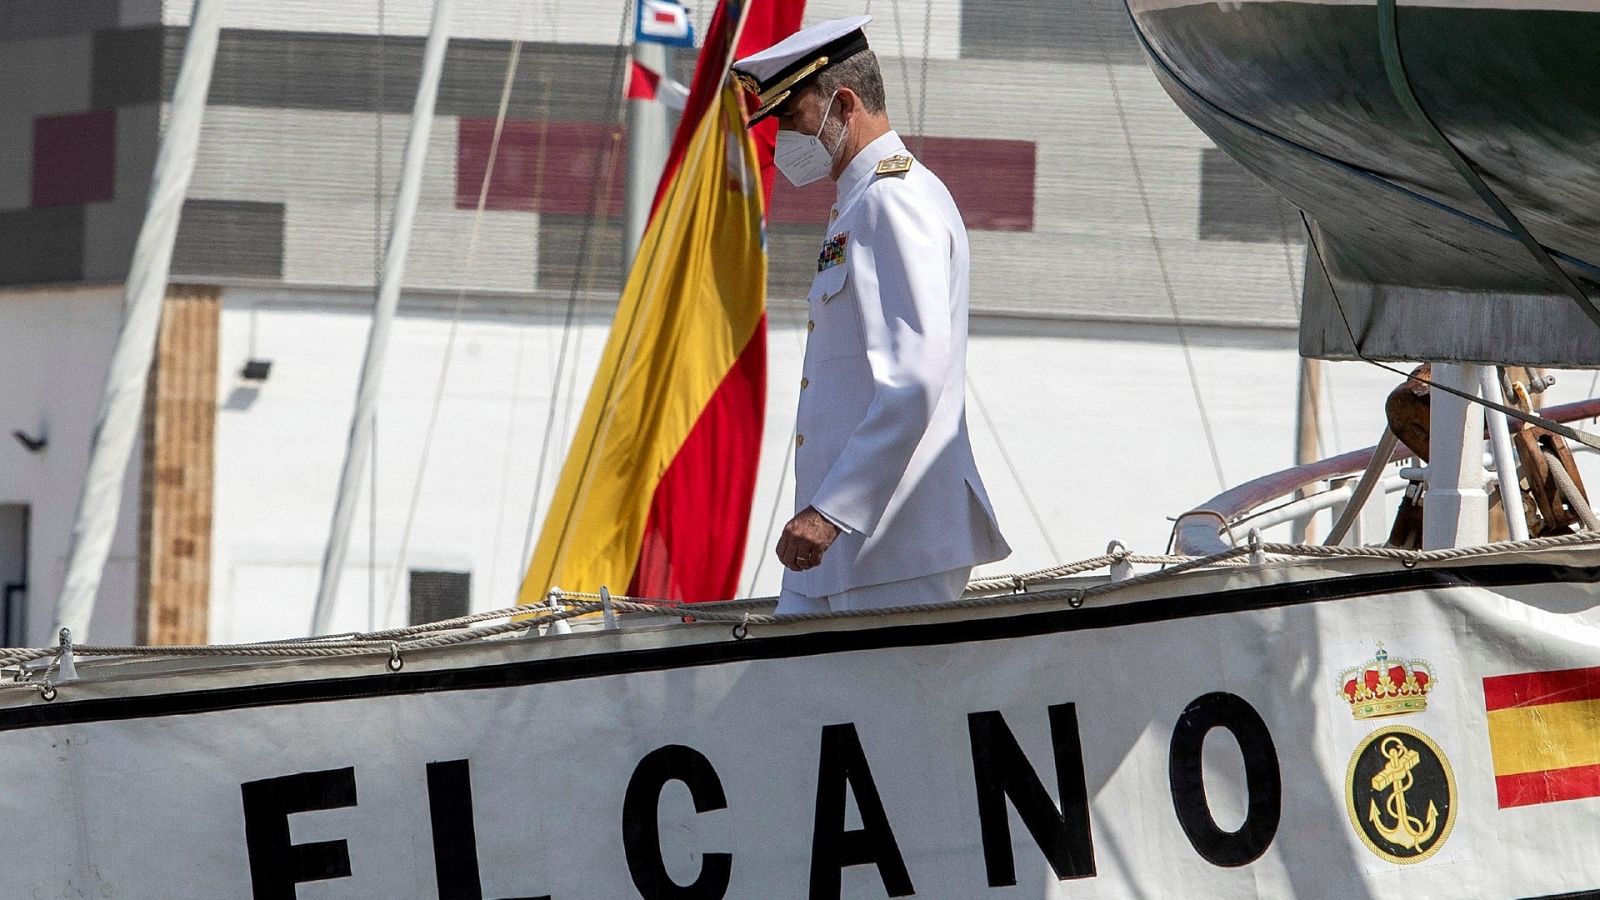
<point>1544,735</point>
<point>654,496</point>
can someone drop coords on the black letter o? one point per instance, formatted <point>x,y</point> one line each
<point>1265,785</point>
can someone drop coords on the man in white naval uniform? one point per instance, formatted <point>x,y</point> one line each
<point>890,509</point>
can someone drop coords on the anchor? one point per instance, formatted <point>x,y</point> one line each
<point>1408,831</point>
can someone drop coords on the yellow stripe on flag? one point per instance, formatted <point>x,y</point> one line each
<point>1540,738</point>
<point>692,302</point>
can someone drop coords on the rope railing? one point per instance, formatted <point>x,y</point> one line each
<point>23,664</point>
<point>26,671</point>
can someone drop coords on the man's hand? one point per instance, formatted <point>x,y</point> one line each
<point>804,540</point>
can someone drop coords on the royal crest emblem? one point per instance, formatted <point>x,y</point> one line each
<point>1401,794</point>
<point>1386,686</point>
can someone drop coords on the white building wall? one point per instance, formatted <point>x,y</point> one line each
<point>1099,421</point>
<point>55,350</point>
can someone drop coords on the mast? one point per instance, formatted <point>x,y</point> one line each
<point>123,402</point>
<point>649,141</point>
<point>394,264</point>
<point>1307,448</point>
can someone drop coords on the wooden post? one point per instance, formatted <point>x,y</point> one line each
<point>176,488</point>
<point>1307,448</point>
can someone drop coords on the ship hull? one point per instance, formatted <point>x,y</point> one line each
<point>1299,94</point>
<point>1038,750</point>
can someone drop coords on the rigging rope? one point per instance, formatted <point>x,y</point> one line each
<point>1400,84</point>
<point>377,278</point>
<point>1016,476</point>
<point>1571,434</point>
<point>1161,259</point>
<point>393,643</point>
<point>468,263</point>
<point>783,473</point>
<point>1383,183</point>
<point>582,278</point>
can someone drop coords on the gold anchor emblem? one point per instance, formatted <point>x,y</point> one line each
<point>1400,794</point>
<point>1407,831</point>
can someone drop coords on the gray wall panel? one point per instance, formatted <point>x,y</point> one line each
<point>24,19</point>
<point>1236,206</point>
<point>792,259</point>
<point>563,244</point>
<point>126,67</point>
<point>1050,31</point>
<point>360,73</point>
<point>229,237</point>
<point>39,246</point>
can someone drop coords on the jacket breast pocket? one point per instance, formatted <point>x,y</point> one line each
<point>835,328</point>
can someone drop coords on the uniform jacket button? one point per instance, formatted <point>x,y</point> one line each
<point>805,383</point>
<point>811,325</point>
<point>799,440</point>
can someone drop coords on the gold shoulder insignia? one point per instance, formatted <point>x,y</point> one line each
<point>894,165</point>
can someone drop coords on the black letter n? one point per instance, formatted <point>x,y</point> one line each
<point>1002,771</point>
<point>276,865</point>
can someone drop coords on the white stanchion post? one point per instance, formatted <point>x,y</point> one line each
<point>1455,510</point>
<point>1505,459</point>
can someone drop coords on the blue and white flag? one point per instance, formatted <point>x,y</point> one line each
<point>664,22</point>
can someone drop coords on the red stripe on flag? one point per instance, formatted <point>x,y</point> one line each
<point>642,83</point>
<point>1539,688</point>
<point>1548,786</point>
<point>694,538</point>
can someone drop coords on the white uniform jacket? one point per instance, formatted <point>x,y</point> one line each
<point>881,435</point>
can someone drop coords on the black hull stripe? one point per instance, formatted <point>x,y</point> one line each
<point>551,671</point>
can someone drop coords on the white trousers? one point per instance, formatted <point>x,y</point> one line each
<point>940,587</point>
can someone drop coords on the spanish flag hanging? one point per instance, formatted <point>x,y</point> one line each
<point>655,493</point>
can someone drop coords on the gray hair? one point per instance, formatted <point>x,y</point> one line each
<point>859,73</point>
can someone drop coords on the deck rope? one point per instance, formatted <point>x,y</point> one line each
<point>36,668</point>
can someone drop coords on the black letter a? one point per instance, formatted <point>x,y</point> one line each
<point>842,765</point>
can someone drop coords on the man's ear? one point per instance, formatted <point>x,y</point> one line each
<point>847,101</point>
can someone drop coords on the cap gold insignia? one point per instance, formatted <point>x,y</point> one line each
<point>894,165</point>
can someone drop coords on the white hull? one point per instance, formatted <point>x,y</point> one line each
<point>140,781</point>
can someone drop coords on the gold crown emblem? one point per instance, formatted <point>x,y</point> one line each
<point>1384,686</point>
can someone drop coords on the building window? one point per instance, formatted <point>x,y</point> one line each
<point>437,595</point>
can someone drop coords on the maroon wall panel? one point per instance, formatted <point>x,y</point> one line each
<point>75,158</point>
<point>992,180</point>
<point>553,167</point>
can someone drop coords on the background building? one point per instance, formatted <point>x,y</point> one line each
<point>1134,294</point>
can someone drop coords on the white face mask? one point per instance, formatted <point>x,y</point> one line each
<point>802,158</point>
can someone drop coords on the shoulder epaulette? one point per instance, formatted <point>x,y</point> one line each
<point>899,164</point>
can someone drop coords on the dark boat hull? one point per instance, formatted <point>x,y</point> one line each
<point>1408,262</point>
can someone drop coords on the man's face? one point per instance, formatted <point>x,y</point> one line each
<point>803,111</point>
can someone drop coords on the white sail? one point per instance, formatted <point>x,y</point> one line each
<point>117,427</point>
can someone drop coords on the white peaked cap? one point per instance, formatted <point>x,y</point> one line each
<point>778,71</point>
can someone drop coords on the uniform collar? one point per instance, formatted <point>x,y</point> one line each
<point>861,168</point>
